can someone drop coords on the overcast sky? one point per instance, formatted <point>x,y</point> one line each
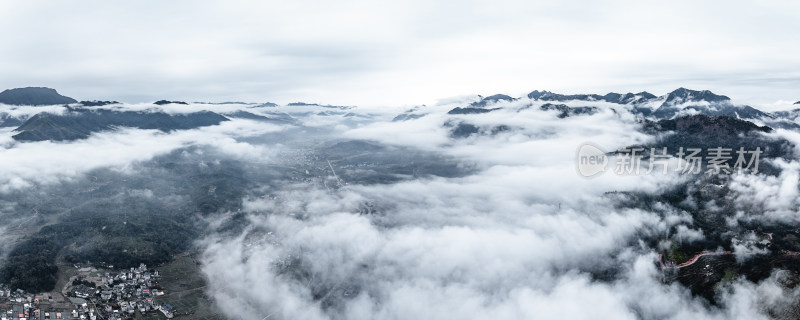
<point>399,52</point>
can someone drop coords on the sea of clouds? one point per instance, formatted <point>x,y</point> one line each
<point>524,236</point>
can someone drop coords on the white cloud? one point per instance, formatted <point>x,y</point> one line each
<point>524,236</point>
<point>23,165</point>
<point>518,239</point>
<point>776,197</point>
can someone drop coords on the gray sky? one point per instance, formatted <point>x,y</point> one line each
<point>399,52</point>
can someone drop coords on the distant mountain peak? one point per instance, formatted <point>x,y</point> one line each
<point>468,110</point>
<point>565,111</point>
<point>536,94</point>
<point>491,99</point>
<point>612,97</point>
<point>683,101</point>
<point>683,95</point>
<point>798,102</point>
<point>97,103</point>
<point>164,102</point>
<point>33,96</point>
<point>302,104</point>
<point>498,97</point>
<point>629,97</point>
<point>646,95</point>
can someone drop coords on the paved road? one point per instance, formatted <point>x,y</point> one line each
<point>697,256</point>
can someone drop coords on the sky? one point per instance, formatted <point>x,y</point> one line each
<point>396,53</point>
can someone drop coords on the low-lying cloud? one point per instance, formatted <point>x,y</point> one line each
<point>521,235</point>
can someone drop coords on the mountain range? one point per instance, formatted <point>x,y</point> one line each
<point>679,102</point>
<point>78,123</point>
<point>81,119</point>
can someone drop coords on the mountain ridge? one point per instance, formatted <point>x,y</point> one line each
<point>79,123</point>
<point>33,96</point>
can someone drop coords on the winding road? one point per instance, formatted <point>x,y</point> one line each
<point>703,254</point>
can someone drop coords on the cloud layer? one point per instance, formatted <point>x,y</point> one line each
<point>516,234</point>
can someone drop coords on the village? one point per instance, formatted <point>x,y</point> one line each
<point>91,294</point>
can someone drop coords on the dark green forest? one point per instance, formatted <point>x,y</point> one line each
<point>123,220</point>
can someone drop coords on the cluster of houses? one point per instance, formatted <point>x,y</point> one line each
<point>125,294</point>
<point>20,305</point>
